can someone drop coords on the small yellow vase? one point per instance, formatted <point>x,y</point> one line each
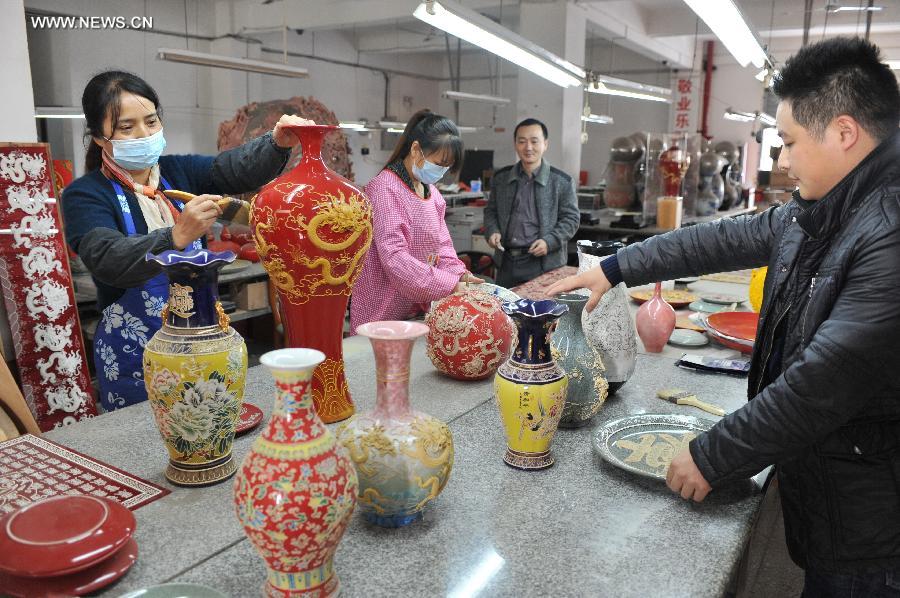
<point>757,282</point>
<point>530,388</point>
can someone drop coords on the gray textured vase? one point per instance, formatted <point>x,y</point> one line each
<point>582,363</point>
<point>609,328</point>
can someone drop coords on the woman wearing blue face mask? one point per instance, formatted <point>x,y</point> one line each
<point>412,260</point>
<point>116,213</point>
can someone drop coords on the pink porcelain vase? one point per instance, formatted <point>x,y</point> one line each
<point>655,322</point>
<point>403,457</point>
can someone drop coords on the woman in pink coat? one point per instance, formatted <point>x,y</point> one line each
<point>412,260</point>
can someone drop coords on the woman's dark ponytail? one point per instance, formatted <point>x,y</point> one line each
<point>434,133</point>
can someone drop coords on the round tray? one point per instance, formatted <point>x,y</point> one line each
<point>62,534</point>
<point>645,444</point>
<point>676,298</point>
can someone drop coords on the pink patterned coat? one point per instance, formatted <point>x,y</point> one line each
<point>412,260</point>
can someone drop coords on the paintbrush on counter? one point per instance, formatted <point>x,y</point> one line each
<point>684,397</point>
<point>233,209</point>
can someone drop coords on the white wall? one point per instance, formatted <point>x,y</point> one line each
<point>17,116</point>
<point>64,60</point>
<point>630,115</point>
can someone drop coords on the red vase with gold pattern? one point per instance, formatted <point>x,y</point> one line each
<point>312,229</point>
<point>296,489</point>
<point>469,336</point>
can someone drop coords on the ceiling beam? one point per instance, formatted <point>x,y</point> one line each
<point>331,14</point>
<point>625,24</point>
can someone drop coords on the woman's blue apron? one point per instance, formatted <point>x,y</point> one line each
<point>127,325</point>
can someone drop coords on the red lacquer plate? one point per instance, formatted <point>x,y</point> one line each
<point>249,418</point>
<point>736,324</point>
<point>62,534</point>
<point>80,583</point>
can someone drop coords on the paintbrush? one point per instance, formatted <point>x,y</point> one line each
<point>233,209</point>
<point>684,397</point>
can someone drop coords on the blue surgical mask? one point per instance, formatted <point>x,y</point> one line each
<point>138,154</point>
<point>429,173</point>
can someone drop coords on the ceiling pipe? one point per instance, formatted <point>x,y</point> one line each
<point>707,84</point>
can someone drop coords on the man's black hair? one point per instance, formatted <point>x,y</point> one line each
<point>527,123</point>
<point>842,75</point>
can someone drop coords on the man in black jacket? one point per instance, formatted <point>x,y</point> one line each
<point>825,378</point>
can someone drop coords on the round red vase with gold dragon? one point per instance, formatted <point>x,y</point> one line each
<point>312,229</point>
<point>469,336</point>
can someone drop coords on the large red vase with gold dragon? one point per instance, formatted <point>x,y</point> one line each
<point>312,229</point>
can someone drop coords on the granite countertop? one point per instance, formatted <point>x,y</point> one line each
<point>579,528</point>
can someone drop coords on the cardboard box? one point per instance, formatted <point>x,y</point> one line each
<point>252,295</point>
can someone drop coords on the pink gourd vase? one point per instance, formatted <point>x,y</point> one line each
<point>655,322</point>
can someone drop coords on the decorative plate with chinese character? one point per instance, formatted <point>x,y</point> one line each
<point>645,444</point>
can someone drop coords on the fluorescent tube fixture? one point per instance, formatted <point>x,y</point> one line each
<point>838,8</point>
<point>660,94</point>
<point>746,117</point>
<point>480,31</point>
<point>893,64</point>
<point>462,96</point>
<point>58,112</point>
<point>600,119</point>
<point>729,25</point>
<point>228,62</point>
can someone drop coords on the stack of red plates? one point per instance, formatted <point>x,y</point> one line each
<point>734,329</point>
<point>65,546</point>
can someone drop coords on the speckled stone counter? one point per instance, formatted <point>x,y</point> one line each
<point>581,528</point>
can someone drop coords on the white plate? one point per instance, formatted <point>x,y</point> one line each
<point>688,338</point>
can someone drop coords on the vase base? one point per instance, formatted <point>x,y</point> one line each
<point>207,474</point>
<point>331,588</point>
<point>528,461</point>
<point>330,418</point>
<point>392,520</point>
<point>576,423</point>
<point>614,386</point>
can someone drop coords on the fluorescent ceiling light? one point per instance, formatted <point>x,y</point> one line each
<point>600,87</point>
<point>392,124</point>
<point>394,130</point>
<point>737,115</point>
<point>837,8</point>
<point>893,64</point>
<point>228,62</point>
<point>600,119</point>
<point>480,31</point>
<point>58,112</point>
<point>475,97</point>
<point>729,25</point>
<point>354,125</point>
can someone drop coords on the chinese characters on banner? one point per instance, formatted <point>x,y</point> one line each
<point>37,288</point>
<point>685,108</point>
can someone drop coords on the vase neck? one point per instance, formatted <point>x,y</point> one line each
<point>294,417</point>
<point>534,342</point>
<point>193,299</point>
<point>392,376</point>
<point>657,290</point>
<point>311,145</point>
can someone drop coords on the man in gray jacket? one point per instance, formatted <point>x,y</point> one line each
<point>532,211</point>
<point>824,384</point>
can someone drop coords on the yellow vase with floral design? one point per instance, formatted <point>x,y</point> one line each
<point>530,388</point>
<point>194,371</point>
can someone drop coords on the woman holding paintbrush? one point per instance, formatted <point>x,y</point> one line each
<point>119,211</point>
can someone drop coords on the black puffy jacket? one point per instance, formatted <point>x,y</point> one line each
<point>828,414</point>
